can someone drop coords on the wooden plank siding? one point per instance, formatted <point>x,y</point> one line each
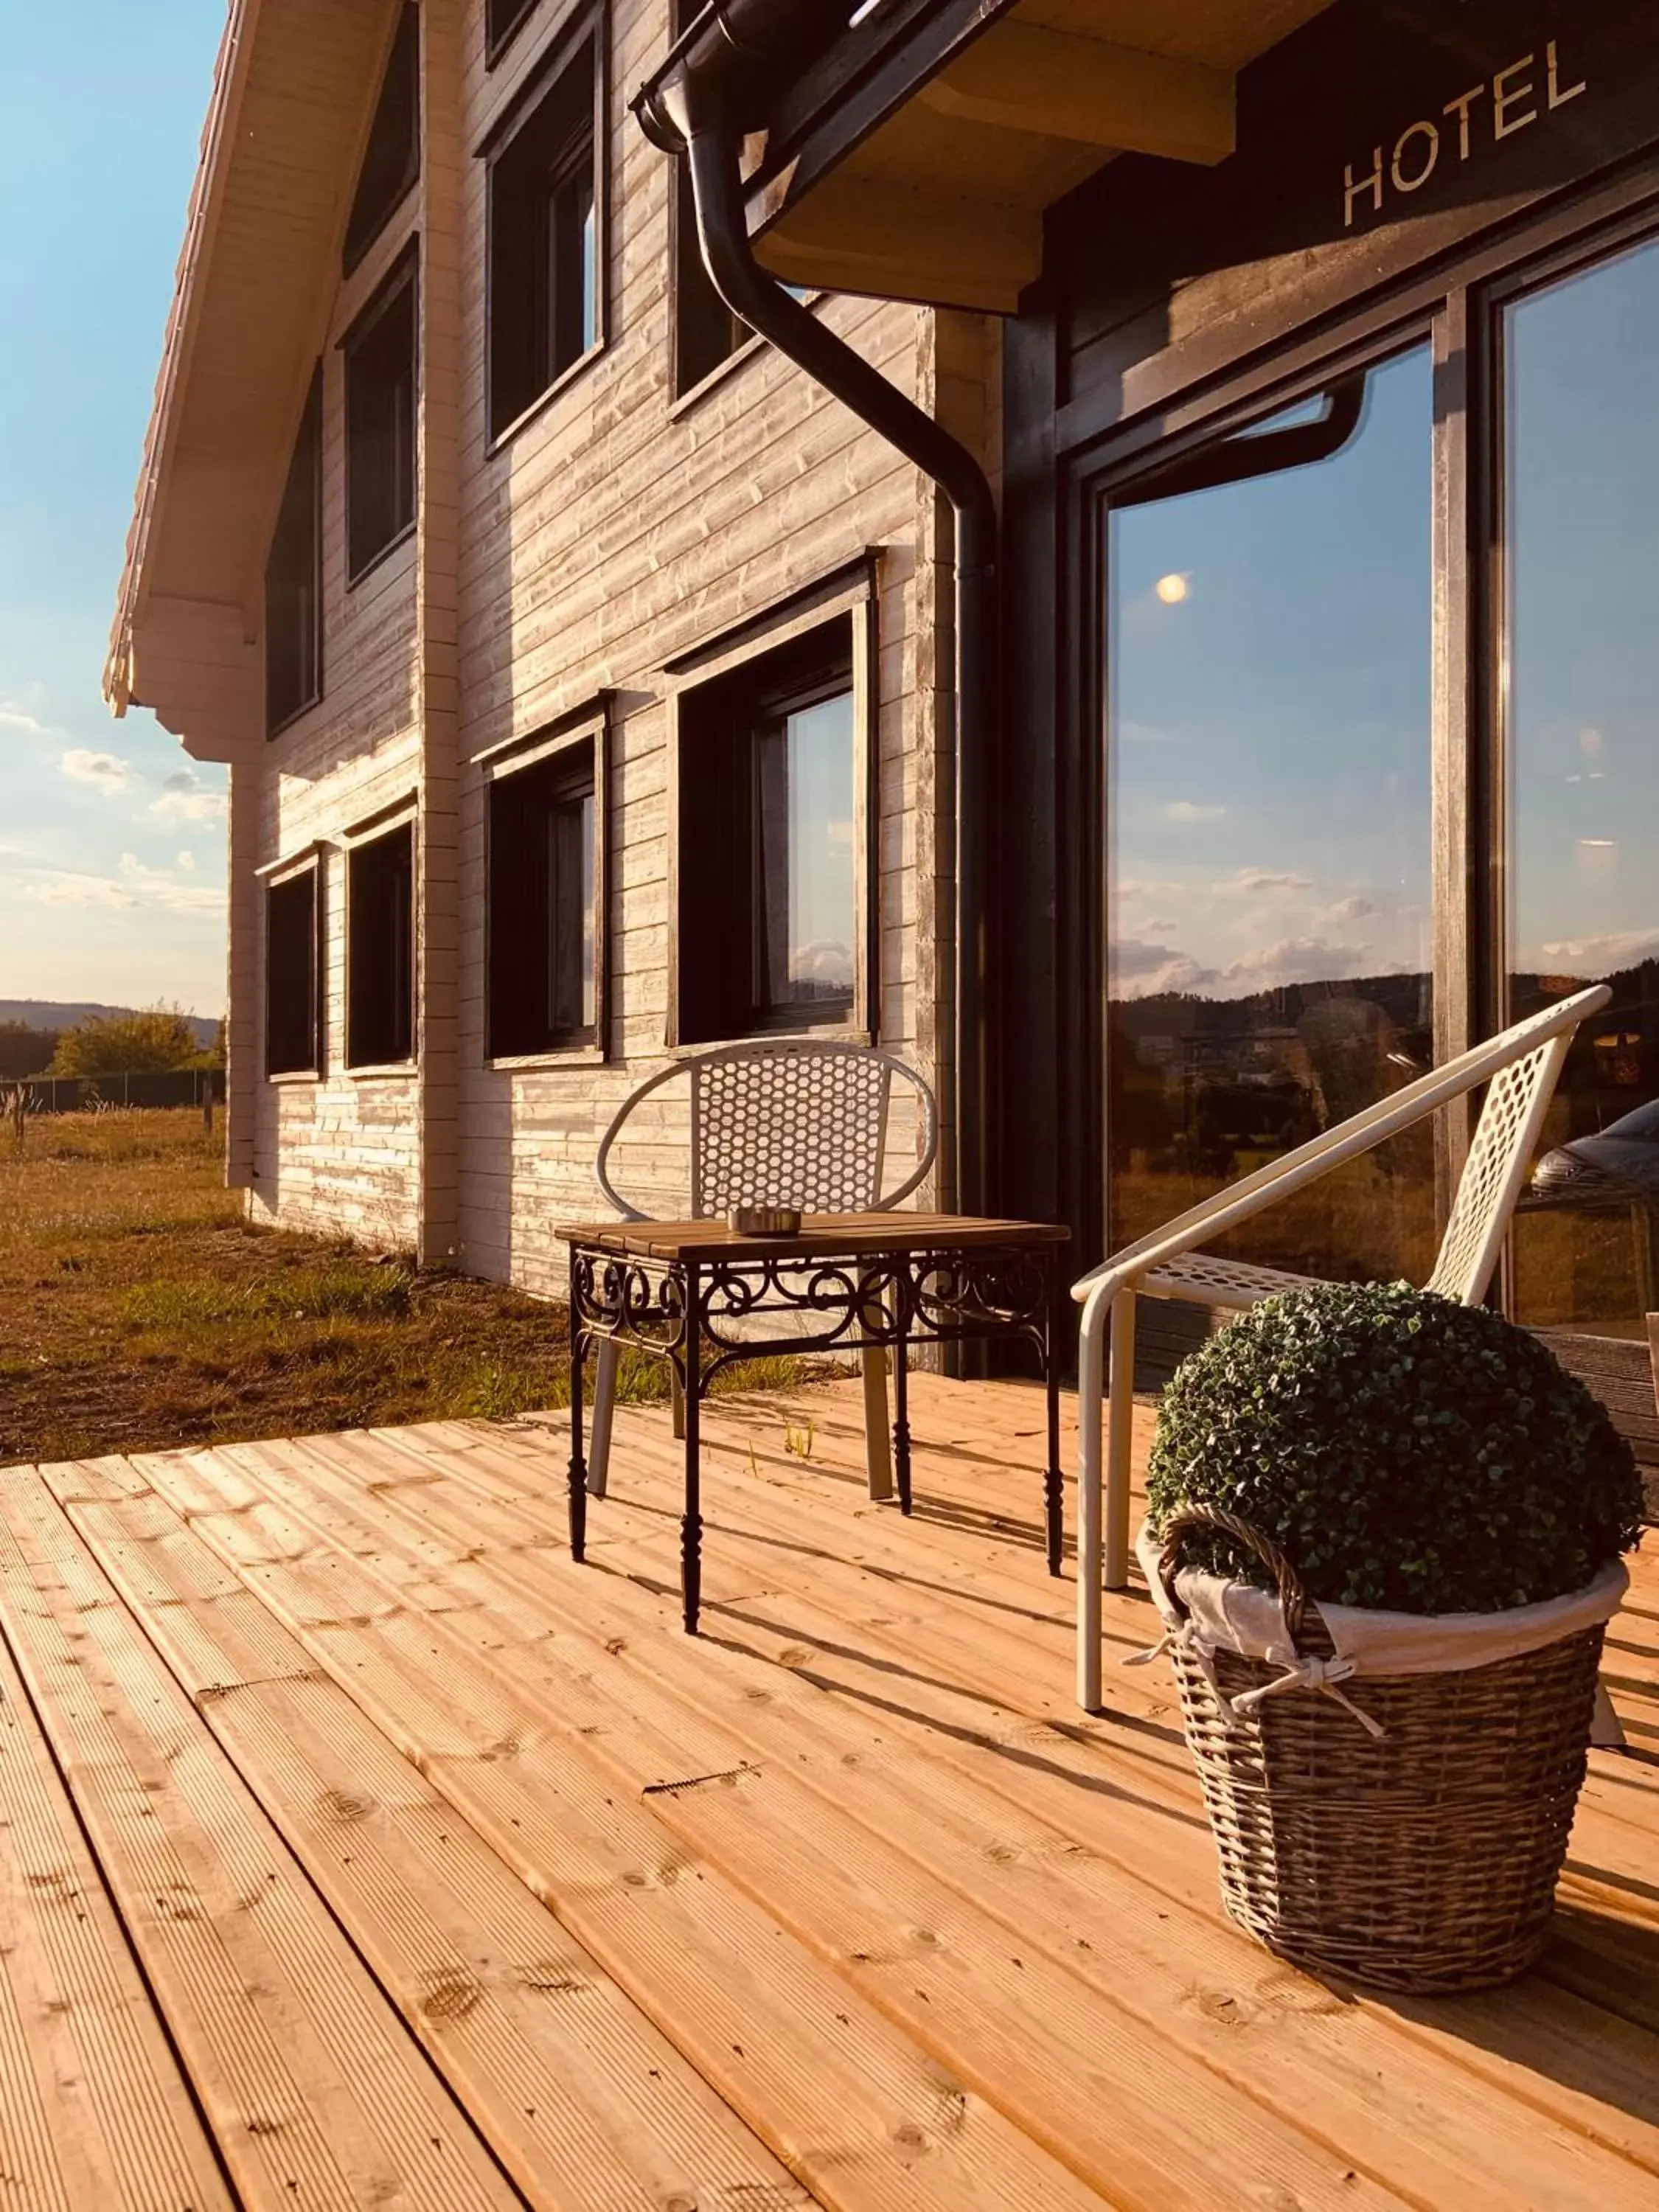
<point>617,528</point>
<point>843,1903</point>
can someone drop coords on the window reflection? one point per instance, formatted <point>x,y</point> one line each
<point>1269,896</point>
<point>1582,496</point>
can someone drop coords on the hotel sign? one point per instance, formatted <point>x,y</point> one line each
<point>1528,91</point>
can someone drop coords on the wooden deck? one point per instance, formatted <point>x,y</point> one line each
<point>358,1851</point>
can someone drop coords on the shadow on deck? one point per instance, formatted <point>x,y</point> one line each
<point>362,1849</point>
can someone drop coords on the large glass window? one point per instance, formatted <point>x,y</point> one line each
<point>381,370</point>
<point>380,949</point>
<point>293,578</point>
<point>1269,919</point>
<point>1581,541</point>
<point>769,873</point>
<point>543,919</point>
<point>544,240</point>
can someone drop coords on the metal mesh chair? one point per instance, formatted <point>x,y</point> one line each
<point>1522,1068</point>
<point>784,1123</point>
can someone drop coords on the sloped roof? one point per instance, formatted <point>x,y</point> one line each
<point>293,93</point>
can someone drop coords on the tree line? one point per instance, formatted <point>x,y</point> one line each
<point>154,1037</point>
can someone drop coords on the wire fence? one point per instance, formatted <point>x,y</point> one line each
<point>86,1094</point>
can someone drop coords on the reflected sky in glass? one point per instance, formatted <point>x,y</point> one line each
<point>1271,717</point>
<point>1583,530</point>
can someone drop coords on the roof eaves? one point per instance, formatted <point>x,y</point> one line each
<point>207,195</point>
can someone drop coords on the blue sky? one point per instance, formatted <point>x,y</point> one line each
<point>112,842</point>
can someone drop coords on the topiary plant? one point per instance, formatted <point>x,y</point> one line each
<point>1404,1452</point>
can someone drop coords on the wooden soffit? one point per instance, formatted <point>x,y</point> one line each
<point>293,95</point>
<point>920,164</point>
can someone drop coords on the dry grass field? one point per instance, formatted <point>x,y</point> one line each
<point>138,1310</point>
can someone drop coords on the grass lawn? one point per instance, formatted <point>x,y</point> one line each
<point>138,1310</point>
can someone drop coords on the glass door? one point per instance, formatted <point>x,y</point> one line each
<point>1269,902</point>
<point>1580,701</point>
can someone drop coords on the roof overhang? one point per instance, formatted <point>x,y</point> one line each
<point>916,156</point>
<point>293,95</point>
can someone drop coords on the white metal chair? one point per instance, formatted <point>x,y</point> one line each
<point>1522,1067</point>
<point>793,1123</point>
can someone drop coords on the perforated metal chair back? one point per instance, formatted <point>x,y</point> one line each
<point>1499,1157</point>
<point>790,1123</point>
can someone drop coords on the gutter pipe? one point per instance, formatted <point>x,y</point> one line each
<point>712,89</point>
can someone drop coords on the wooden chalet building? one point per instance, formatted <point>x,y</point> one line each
<point>596,685</point>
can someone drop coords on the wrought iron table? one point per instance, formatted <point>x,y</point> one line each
<point>696,1295</point>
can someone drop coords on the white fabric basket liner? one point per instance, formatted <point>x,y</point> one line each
<point>1224,1615</point>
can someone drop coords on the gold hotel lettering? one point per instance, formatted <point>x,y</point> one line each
<point>1514,93</point>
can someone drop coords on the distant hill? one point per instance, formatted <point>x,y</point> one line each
<point>50,1014</point>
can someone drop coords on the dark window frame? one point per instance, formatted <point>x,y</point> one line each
<point>587,26</point>
<point>304,480</point>
<point>504,20</point>
<point>295,1066</point>
<point>399,290</point>
<point>370,218</point>
<point>720,712</point>
<point>537,775</point>
<point>1457,303</point>
<point>382,1024</point>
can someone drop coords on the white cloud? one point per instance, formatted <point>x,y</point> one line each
<point>187,862</point>
<point>1604,956</point>
<point>1295,960</point>
<point>1184,809</point>
<point>188,806</point>
<point>15,717</point>
<point>1351,909</point>
<point>185,798</point>
<point>1255,881</point>
<point>105,772</point>
<point>134,886</point>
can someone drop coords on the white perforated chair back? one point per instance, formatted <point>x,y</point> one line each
<point>1500,1156</point>
<point>793,1123</point>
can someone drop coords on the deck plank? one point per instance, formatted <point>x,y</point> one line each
<point>854,2109</point>
<point>316,2094</point>
<point>582,2102</point>
<point>1190,1978</point>
<point>851,1861</point>
<point>93,2110</point>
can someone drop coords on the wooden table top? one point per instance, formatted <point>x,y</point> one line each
<point>820,1237</point>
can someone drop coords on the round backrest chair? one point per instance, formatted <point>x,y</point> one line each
<point>789,1123</point>
<point>785,1121</point>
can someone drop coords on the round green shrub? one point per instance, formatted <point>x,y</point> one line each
<point>1404,1452</point>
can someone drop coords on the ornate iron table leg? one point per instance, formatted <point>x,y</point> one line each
<point>902,1400</point>
<point>1052,1493</point>
<point>691,1524</point>
<point>578,1467</point>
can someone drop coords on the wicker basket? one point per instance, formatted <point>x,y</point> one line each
<point>1424,1862</point>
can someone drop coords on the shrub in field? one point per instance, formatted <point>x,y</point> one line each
<point>127,1044</point>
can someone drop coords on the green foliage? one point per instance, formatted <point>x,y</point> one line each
<point>24,1051</point>
<point>127,1044</point>
<point>1403,1451</point>
<point>351,1290</point>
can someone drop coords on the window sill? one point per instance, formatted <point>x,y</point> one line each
<point>379,559</point>
<point>294,1075</point>
<point>688,401</point>
<point>280,729</point>
<point>562,383</point>
<point>554,1056</point>
<point>847,1032</point>
<point>388,1071</point>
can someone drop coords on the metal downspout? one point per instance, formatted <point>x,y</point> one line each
<point>759,300</point>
